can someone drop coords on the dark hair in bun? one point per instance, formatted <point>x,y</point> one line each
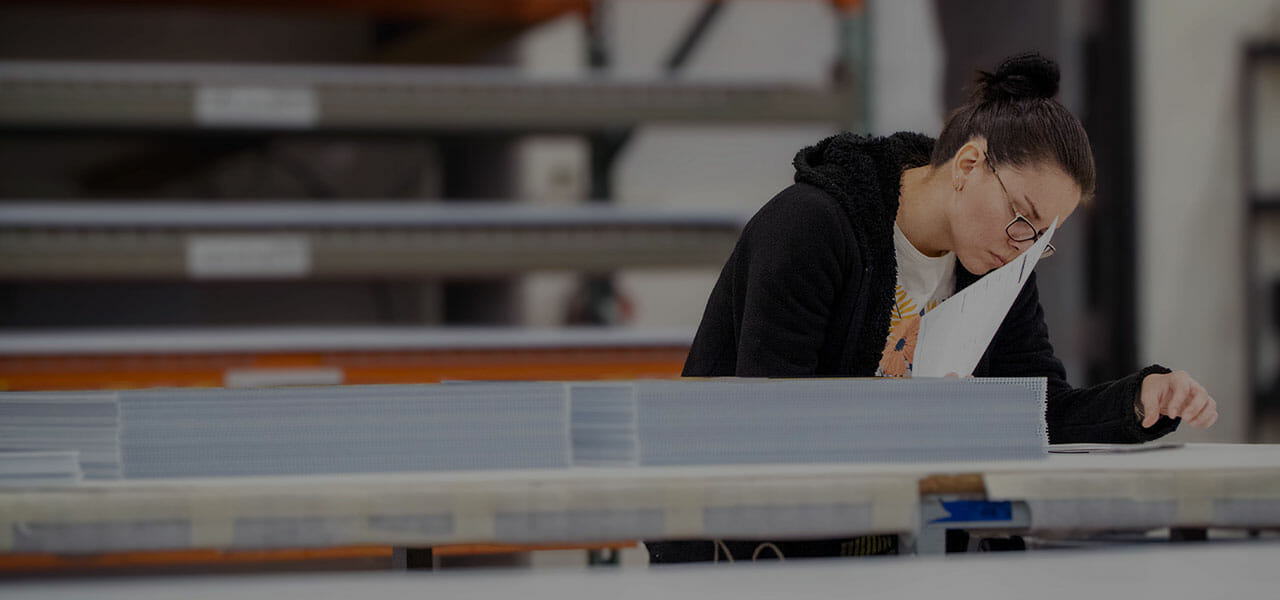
<point>1026,75</point>
<point>1015,111</point>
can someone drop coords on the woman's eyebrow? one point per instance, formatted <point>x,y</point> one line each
<point>1034,213</point>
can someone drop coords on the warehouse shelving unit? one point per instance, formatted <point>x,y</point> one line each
<point>350,239</point>
<point>244,357</point>
<point>137,241</point>
<point>379,99</point>
<point>1261,207</point>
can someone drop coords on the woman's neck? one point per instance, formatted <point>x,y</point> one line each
<point>922,214</point>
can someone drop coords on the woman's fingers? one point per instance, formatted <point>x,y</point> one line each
<point>1176,395</point>
<point>1153,388</point>
<point>1208,413</point>
<point>1197,402</point>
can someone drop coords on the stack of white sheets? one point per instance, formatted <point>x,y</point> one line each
<point>36,468</point>
<point>603,424</point>
<point>398,428</point>
<point>702,422</point>
<point>343,429</point>
<point>87,423</point>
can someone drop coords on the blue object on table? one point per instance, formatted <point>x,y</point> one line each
<point>975,510</point>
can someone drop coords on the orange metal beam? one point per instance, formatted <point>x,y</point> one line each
<point>209,370</point>
<point>160,559</point>
<point>41,562</point>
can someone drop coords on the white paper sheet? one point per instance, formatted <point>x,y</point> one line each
<point>1111,448</point>
<point>956,332</point>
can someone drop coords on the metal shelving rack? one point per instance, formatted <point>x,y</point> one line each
<point>305,240</point>
<point>77,240</point>
<point>135,241</point>
<point>242,357</point>
<point>1259,205</point>
<point>382,99</point>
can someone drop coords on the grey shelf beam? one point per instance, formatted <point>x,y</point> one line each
<point>194,340</point>
<point>348,240</point>
<point>385,99</point>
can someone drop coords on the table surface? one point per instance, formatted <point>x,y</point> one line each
<point>1195,571</point>
<point>1218,485</point>
<point>1191,457</point>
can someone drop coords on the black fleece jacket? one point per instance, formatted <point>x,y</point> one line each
<point>808,290</point>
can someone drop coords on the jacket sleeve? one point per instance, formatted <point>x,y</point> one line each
<point>1103,413</point>
<point>789,266</point>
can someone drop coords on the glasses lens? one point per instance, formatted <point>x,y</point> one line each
<point>1021,231</point>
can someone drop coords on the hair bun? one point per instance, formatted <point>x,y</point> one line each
<point>1026,75</point>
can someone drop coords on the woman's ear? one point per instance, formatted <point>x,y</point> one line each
<point>967,158</point>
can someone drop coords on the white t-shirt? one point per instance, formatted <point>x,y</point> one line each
<point>923,282</point>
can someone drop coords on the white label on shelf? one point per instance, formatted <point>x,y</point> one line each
<point>256,106</point>
<point>255,378</point>
<point>254,256</point>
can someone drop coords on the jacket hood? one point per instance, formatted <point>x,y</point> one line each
<point>863,173</point>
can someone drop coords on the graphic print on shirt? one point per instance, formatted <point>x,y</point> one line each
<point>904,329</point>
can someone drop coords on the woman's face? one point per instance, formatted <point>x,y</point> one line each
<point>983,208</point>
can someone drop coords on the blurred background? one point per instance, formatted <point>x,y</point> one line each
<point>283,191</point>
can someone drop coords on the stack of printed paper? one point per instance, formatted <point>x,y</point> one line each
<point>695,422</point>
<point>603,417</point>
<point>39,468</point>
<point>86,423</point>
<point>395,428</point>
<point>343,429</point>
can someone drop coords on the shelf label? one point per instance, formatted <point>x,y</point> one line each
<point>258,378</point>
<point>256,106</point>
<point>252,256</point>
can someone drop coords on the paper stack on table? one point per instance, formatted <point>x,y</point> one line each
<point>343,429</point>
<point>87,423</point>
<point>741,421</point>
<point>1086,448</point>
<point>603,423</point>
<point>839,420</point>
<point>39,468</point>
<point>517,425</point>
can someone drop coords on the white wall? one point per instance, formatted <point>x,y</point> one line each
<point>1190,212</point>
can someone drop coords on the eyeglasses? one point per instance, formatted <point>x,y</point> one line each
<point>1019,229</point>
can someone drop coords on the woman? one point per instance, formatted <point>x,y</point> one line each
<point>831,276</point>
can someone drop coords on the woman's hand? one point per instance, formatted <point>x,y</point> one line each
<point>1175,395</point>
